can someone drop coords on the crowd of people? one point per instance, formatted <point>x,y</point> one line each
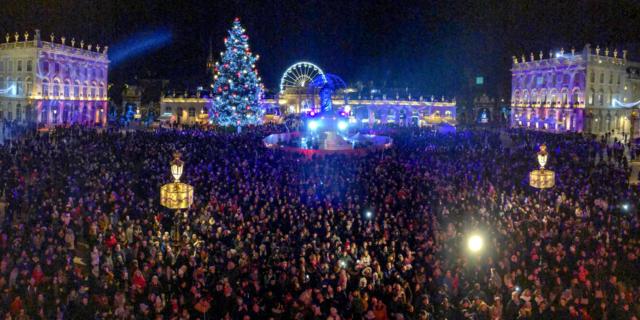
<point>277,235</point>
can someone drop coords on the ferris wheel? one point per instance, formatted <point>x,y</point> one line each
<point>299,75</point>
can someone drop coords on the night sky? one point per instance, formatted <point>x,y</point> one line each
<point>435,47</point>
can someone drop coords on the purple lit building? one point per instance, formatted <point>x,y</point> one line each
<point>592,91</point>
<point>52,82</point>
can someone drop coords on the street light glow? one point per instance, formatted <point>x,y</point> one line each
<point>368,214</point>
<point>475,243</point>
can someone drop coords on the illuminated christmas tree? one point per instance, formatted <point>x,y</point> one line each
<point>237,86</point>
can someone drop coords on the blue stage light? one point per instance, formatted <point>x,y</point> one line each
<point>342,125</point>
<point>313,125</point>
<point>139,44</point>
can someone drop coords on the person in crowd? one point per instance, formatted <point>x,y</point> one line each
<point>281,235</point>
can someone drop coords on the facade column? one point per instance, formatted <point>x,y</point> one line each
<point>61,114</point>
<point>49,112</point>
<point>105,111</point>
<point>632,128</point>
<point>39,111</point>
<point>371,117</point>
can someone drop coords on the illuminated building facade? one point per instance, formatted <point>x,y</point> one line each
<point>594,91</point>
<point>297,97</point>
<point>186,109</point>
<point>51,82</point>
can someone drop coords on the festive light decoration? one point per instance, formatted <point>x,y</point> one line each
<point>542,178</point>
<point>299,75</point>
<point>176,195</point>
<point>237,85</point>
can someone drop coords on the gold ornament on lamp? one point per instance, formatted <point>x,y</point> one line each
<point>542,178</point>
<point>176,195</point>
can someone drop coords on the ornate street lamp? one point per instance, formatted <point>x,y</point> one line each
<point>542,178</point>
<point>176,195</point>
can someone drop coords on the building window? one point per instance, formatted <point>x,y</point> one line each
<point>66,89</point>
<point>56,89</point>
<point>19,65</point>
<point>1,66</point>
<point>45,88</point>
<point>619,78</point>
<point>76,91</point>
<point>101,92</point>
<point>29,65</point>
<point>18,112</point>
<point>84,91</point>
<point>93,92</point>
<point>602,77</point>
<point>592,77</point>
<point>167,109</point>
<point>611,77</point>
<point>192,112</point>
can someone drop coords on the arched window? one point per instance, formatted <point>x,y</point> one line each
<point>44,67</point>
<point>56,88</point>
<point>45,87</point>
<point>28,85</point>
<point>610,98</point>
<point>575,98</point>
<point>19,87</point>
<point>600,97</point>
<point>66,88</point>
<point>76,88</point>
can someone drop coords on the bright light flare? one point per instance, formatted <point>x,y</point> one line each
<point>368,214</point>
<point>342,125</point>
<point>475,243</point>
<point>313,125</point>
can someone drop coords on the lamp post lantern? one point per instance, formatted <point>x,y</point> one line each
<point>542,178</point>
<point>176,195</point>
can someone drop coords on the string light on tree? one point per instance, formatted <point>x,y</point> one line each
<point>237,85</point>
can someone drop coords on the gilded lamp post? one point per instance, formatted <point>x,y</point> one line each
<point>542,178</point>
<point>176,195</point>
